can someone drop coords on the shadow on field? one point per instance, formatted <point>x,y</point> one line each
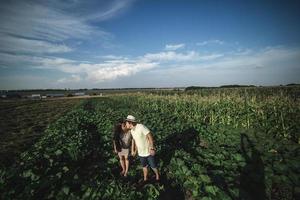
<point>185,140</point>
<point>176,141</point>
<point>252,183</point>
<point>84,168</point>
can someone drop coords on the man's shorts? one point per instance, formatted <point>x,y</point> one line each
<point>148,160</point>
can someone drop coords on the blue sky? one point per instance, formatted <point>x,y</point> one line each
<point>148,43</point>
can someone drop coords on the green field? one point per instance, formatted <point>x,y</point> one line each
<point>241,143</point>
<point>23,122</point>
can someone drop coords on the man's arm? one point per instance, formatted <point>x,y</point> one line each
<point>150,139</point>
<point>151,143</point>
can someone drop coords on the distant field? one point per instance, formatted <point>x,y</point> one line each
<point>241,143</point>
<point>22,123</point>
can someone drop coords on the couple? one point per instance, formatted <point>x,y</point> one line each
<point>130,134</point>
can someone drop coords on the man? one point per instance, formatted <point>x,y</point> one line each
<point>143,140</point>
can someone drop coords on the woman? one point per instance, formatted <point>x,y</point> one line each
<point>122,142</point>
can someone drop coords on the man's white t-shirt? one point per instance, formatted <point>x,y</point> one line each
<point>139,133</point>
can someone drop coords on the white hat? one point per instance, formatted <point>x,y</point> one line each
<point>130,118</point>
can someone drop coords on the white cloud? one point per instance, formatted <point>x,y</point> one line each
<point>266,66</point>
<point>115,8</point>
<point>172,56</point>
<point>112,57</point>
<point>242,52</point>
<point>105,72</point>
<point>183,66</point>
<point>21,45</point>
<point>73,78</point>
<point>40,62</point>
<point>266,57</point>
<point>32,27</point>
<point>95,72</point>
<point>211,56</point>
<point>36,21</point>
<point>110,69</point>
<point>173,47</point>
<point>208,42</point>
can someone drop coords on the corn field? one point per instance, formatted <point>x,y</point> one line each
<point>211,144</point>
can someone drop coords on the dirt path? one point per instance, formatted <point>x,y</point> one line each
<point>74,97</point>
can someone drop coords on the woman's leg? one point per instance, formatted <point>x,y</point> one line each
<point>122,163</point>
<point>126,165</point>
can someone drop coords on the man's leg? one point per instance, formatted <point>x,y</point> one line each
<point>152,164</point>
<point>145,172</point>
<point>145,167</point>
<point>156,173</point>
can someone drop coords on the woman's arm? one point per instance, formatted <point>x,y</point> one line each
<point>115,146</point>
<point>133,148</point>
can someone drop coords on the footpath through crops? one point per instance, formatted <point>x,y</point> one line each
<point>220,147</point>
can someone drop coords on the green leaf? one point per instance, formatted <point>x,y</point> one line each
<point>206,198</point>
<point>58,152</point>
<point>66,190</point>
<point>205,178</point>
<point>65,168</point>
<point>27,173</point>
<point>211,189</point>
<point>75,177</point>
<point>59,174</point>
<point>238,157</point>
<point>46,156</point>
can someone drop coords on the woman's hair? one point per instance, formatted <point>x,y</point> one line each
<point>120,120</point>
<point>118,129</point>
